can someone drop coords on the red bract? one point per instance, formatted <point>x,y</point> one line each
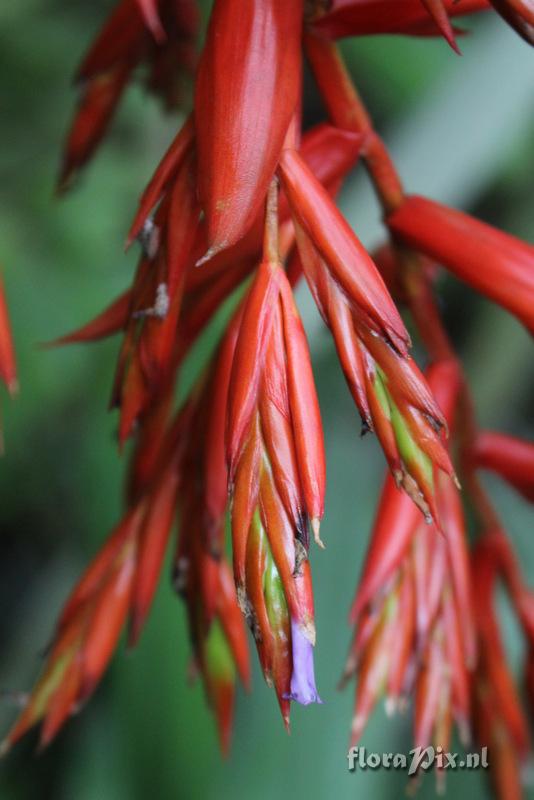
<point>100,97</point>
<point>338,246</point>
<point>149,10</point>
<point>8,367</point>
<point>329,152</point>
<point>519,14</point>
<point>509,457</point>
<point>368,17</point>
<point>163,178</point>
<point>148,358</point>
<point>396,519</point>
<point>462,244</point>
<point>388,389</point>
<point>110,321</point>
<point>438,11</point>
<point>243,109</point>
<point>122,45</point>
<point>219,639</point>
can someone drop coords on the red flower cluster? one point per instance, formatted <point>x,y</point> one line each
<point>123,44</point>
<point>414,621</point>
<point>241,205</point>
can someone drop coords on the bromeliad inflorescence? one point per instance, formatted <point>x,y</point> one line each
<point>242,206</point>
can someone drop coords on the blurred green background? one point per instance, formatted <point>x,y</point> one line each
<point>461,130</point>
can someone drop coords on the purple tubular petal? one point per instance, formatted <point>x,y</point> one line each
<point>303,688</point>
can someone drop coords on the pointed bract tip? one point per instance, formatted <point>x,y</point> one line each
<point>43,743</point>
<point>316,527</point>
<point>450,38</point>
<point>137,618</point>
<point>349,670</point>
<point>225,741</point>
<point>87,687</point>
<point>438,12</point>
<point>390,706</point>
<point>405,482</point>
<point>210,254</point>
<point>13,387</point>
<point>65,182</point>
<point>464,732</point>
<point>356,730</point>
<point>403,705</point>
<point>149,11</point>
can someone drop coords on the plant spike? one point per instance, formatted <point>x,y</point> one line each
<point>240,207</point>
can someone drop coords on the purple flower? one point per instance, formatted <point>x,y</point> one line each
<point>303,689</point>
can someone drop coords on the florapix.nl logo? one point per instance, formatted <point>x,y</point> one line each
<point>416,760</point>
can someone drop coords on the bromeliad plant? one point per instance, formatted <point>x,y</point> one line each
<point>241,207</point>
